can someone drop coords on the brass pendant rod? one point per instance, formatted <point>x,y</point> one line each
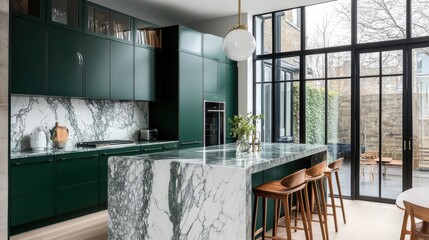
<point>239,12</point>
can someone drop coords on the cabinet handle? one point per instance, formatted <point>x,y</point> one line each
<point>405,145</point>
<point>189,143</point>
<point>18,163</point>
<point>91,156</point>
<point>152,149</point>
<point>119,153</point>
<point>170,147</point>
<point>80,58</point>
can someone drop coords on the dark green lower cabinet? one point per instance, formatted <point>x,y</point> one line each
<point>31,189</point>
<point>77,197</point>
<point>103,191</point>
<point>77,181</point>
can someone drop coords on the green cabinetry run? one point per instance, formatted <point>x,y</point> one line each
<point>28,56</point>
<point>97,67</point>
<point>32,189</point>
<point>77,181</point>
<point>65,62</point>
<point>178,114</point>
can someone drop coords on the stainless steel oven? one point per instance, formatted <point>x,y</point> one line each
<point>214,123</point>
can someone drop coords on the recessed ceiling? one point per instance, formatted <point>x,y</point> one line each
<point>170,12</point>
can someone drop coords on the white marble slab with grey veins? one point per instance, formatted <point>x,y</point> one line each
<point>199,193</point>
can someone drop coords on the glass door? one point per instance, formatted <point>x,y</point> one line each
<point>420,116</point>
<point>381,81</point>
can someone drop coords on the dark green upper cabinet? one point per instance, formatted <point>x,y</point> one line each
<point>121,29</point>
<point>28,56</point>
<point>65,13</point>
<point>190,100</point>
<point>147,34</point>
<point>144,74</point>
<point>182,38</point>
<point>214,80</point>
<point>122,71</point>
<point>212,47</point>
<point>97,67</point>
<point>97,20</point>
<point>65,62</point>
<point>231,98</point>
<point>31,9</point>
<point>221,78</point>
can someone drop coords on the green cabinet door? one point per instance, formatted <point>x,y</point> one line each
<point>231,98</point>
<point>122,71</point>
<point>104,156</point>
<point>31,189</point>
<point>28,56</point>
<point>190,40</point>
<point>221,78</point>
<point>65,62</point>
<point>210,76</point>
<point>77,181</point>
<point>190,100</point>
<point>97,67</point>
<point>144,74</point>
<point>212,47</point>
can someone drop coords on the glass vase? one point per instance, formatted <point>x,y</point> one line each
<point>243,144</point>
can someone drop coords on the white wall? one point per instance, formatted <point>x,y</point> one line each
<point>4,116</point>
<point>220,27</point>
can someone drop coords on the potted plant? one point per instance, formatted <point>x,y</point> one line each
<point>242,127</point>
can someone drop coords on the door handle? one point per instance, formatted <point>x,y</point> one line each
<point>409,145</point>
<point>80,58</point>
<point>189,143</point>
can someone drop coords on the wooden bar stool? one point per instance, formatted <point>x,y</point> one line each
<point>280,191</point>
<point>314,179</point>
<point>334,168</point>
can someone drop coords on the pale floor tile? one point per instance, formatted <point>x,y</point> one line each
<point>3,212</point>
<point>365,221</point>
<point>4,84</point>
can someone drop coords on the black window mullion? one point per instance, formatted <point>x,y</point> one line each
<point>326,98</point>
<point>303,70</point>
<point>409,19</point>
<point>380,124</point>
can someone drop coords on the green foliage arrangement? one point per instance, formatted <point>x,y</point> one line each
<point>242,126</point>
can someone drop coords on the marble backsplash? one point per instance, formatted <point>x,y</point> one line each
<point>86,119</point>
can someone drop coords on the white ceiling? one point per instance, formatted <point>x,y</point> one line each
<point>169,12</point>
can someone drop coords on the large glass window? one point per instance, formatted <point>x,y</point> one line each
<point>381,20</point>
<point>264,34</point>
<point>328,25</point>
<point>420,18</point>
<point>289,37</point>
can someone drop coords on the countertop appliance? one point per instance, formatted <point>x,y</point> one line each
<point>95,144</point>
<point>148,134</point>
<point>214,123</point>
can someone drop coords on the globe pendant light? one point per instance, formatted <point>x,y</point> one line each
<point>239,44</point>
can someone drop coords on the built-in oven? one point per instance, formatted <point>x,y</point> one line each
<point>214,123</point>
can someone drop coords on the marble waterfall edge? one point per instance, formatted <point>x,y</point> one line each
<point>86,119</point>
<point>200,202</point>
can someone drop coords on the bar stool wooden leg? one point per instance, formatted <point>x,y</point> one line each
<point>331,193</point>
<point>341,196</point>
<point>308,212</point>
<point>287,217</point>
<point>264,217</point>
<point>319,212</point>
<point>276,217</point>
<point>325,213</point>
<point>255,214</point>
<point>303,215</point>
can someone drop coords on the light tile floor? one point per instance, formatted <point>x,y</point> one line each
<point>365,221</point>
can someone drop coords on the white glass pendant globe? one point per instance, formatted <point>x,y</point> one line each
<point>238,44</point>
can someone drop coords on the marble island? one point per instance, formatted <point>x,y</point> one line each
<point>199,193</point>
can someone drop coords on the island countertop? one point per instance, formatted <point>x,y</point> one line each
<point>272,155</point>
<point>198,193</point>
